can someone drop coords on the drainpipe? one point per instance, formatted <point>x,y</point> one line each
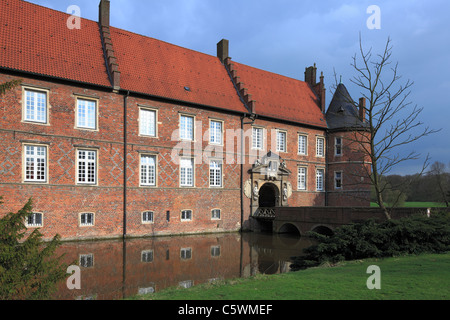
<point>325,184</point>
<point>125,151</point>
<point>242,171</point>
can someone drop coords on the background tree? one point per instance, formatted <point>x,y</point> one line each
<point>441,180</point>
<point>392,121</point>
<point>29,269</point>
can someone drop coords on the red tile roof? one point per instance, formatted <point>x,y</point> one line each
<point>281,97</point>
<point>158,68</point>
<point>36,39</point>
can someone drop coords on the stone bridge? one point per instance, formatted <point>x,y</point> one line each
<point>323,220</point>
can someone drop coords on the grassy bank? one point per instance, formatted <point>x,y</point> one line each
<point>417,205</point>
<point>423,277</point>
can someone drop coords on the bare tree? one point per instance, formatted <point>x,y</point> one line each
<point>392,121</point>
<point>440,177</point>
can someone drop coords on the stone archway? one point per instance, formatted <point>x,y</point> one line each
<point>269,196</point>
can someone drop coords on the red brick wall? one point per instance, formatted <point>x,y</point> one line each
<point>61,199</point>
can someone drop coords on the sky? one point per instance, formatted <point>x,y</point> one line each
<point>286,36</point>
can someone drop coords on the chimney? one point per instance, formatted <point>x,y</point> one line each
<point>104,13</point>
<point>222,50</point>
<point>322,92</point>
<point>108,48</point>
<point>310,75</point>
<point>362,109</point>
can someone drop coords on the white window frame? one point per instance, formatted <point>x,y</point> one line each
<point>36,160</point>
<point>147,256</point>
<point>187,173</point>
<point>320,179</point>
<point>145,217</point>
<point>216,132</point>
<point>336,179</point>
<point>148,122</point>
<point>281,141</point>
<point>320,147</point>
<point>302,178</point>
<point>87,162</point>
<point>86,223</point>
<point>88,123</point>
<point>184,217</point>
<point>215,173</point>
<point>186,253</point>
<point>257,138</point>
<point>186,132</point>
<point>86,260</point>
<point>33,218</point>
<point>303,137</point>
<point>215,216</point>
<point>215,251</point>
<point>338,146</point>
<point>34,115</point>
<point>147,169</point>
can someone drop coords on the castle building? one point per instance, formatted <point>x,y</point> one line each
<point>117,134</point>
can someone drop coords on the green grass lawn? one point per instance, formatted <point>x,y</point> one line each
<point>424,277</point>
<point>417,205</point>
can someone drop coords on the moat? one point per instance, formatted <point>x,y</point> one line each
<point>119,269</point>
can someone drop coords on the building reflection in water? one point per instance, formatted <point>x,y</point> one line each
<point>118,269</point>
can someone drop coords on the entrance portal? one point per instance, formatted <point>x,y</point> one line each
<point>268,196</point>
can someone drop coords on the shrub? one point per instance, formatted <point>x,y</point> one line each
<point>28,269</point>
<point>371,239</point>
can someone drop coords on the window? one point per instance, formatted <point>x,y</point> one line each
<point>215,173</point>
<point>320,173</point>
<point>215,132</point>
<point>338,180</point>
<point>87,260</point>
<point>215,251</point>
<point>86,114</point>
<point>186,253</point>
<point>87,166</point>
<point>302,144</point>
<point>302,178</point>
<point>35,106</point>
<point>86,219</point>
<point>34,220</point>
<point>281,141</point>
<point>186,128</point>
<point>338,146</point>
<point>35,163</point>
<point>257,138</point>
<point>320,152</point>
<point>215,214</point>
<point>186,215</point>
<point>147,122</point>
<point>147,217</point>
<point>148,170</point>
<point>187,172</point>
<point>147,256</point>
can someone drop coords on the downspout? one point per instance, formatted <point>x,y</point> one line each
<point>327,137</point>
<point>242,171</point>
<point>125,165</point>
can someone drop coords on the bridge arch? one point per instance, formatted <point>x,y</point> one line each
<point>289,228</point>
<point>323,230</point>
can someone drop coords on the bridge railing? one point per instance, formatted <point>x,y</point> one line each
<point>264,213</point>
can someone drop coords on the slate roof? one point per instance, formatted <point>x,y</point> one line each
<point>342,113</point>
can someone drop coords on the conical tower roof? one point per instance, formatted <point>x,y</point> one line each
<point>342,113</point>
